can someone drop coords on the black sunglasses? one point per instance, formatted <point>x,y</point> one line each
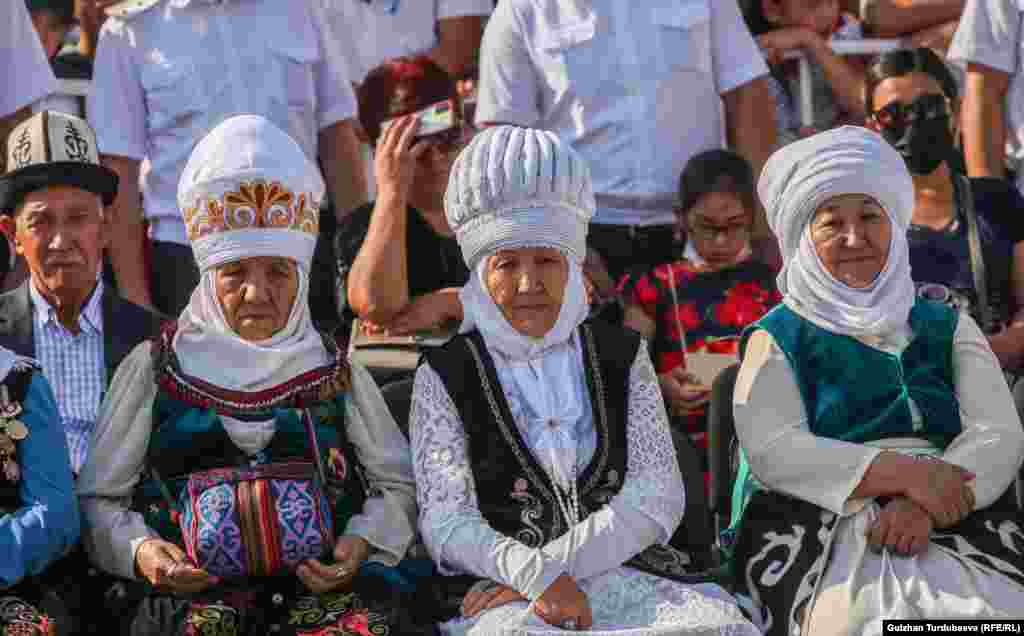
<point>896,115</point>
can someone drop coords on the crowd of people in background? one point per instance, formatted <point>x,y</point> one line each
<point>601,205</point>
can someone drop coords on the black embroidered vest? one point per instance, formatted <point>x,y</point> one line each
<point>17,382</point>
<point>514,493</point>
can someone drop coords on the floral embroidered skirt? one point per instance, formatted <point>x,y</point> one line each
<point>18,617</point>
<point>371,607</point>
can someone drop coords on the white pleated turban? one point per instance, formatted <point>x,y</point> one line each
<point>516,187</point>
<point>802,176</point>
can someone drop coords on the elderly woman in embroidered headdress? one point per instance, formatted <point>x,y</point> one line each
<point>546,474</point>
<point>226,450</point>
<point>879,437</point>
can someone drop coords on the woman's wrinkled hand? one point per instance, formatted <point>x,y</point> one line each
<point>166,566</point>
<point>942,489</point>
<point>682,391</point>
<point>563,602</point>
<point>350,552</point>
<point>903,527</point>
<point>395,157</point>
<point>485,598</point>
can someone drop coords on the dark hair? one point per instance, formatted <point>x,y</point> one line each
<point>753,15</point>
<point>716,171</point>
<point>426,81</point>
<point>904,62</point>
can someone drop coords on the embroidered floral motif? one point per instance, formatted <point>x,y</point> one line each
<point>18,618</point>
<point>336,464</point>
<point>532,511</point>
<point>336,614</point>
<point>256,204</point>
<point>211,619</point>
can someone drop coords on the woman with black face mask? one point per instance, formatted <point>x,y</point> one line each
<point>967,234</point>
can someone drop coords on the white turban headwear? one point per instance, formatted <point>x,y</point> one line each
<point>802,176</point>
<point>511,188</point>
<point>248,190</point>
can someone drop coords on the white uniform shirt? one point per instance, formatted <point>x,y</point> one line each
<point>635,86</point>
<point>991,34</point>
<point>384,29</point>
<point>28,73</point>
<point>167,75</point>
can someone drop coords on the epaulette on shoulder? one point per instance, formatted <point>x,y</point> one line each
<point>128,9</point>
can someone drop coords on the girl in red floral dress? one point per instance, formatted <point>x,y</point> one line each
<point>719,288</point>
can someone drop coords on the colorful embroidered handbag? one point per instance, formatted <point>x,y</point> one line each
<point>259,520</point>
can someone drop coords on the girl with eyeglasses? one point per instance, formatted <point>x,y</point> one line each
<point>704,299</point>
<point>912,101</point>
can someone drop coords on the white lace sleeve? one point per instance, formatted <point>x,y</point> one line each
<point>650,505</point>
<point>457,536</point>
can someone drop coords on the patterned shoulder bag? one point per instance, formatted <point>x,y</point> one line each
<point>259,520</point>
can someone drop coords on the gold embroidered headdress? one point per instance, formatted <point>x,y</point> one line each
<point>249,190</point>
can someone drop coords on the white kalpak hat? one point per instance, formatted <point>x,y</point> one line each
<point>517,187</point>
<point>249,190</point>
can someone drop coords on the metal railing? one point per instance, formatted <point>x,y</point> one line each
<point>839,47</point>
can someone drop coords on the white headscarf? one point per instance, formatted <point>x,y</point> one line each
<point>248,190</point>
<point>795,182</point>
<point>519,187</point>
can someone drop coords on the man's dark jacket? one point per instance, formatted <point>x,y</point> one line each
<point>125,325</point>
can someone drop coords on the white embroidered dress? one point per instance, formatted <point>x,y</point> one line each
<point>549,402</point>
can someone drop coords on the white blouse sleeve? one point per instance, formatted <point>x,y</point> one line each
<point>457,536</point>
<point>388,518</point>
<point>111,531</point>
<point>991,443</point>
<point>650,505</point>
<point>772,429</point>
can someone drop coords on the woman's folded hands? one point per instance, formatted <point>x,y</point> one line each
<point>563,604</point>
<point>166,566</point>
<point>943,489</point>
<point>902,526</point>
<point>936,494</point>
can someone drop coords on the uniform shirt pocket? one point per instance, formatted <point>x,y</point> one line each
<point>684,31</point>
<point>568,52</point>
<point>174,93</point>
<point>295,65</point>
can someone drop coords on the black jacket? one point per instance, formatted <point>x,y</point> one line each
<point>125,325</point>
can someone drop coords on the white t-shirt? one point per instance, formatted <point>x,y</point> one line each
<point>167,75</point>
<point>28,72</point>
<point>384,29</point>
<point>634,86</point>
<point>991,34</point>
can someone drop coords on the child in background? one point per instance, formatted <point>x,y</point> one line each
<point>808,26</point>
<point>703,300</point>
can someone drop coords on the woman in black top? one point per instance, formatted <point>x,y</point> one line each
<point>400,268</point>
<point>912,101</point>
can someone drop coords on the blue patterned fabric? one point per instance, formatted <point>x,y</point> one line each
<point>47,525</point>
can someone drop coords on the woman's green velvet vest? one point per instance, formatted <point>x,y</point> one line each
<point>857,393</point>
